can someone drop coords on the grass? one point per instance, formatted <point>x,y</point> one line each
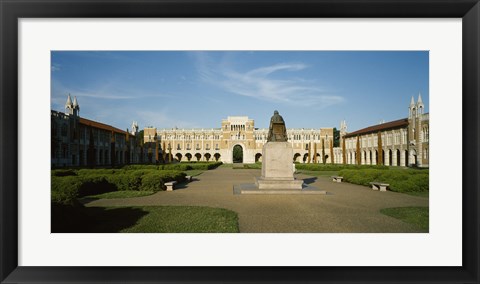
<point>417,216</point>
<point>186,219</point>
<point>144,219</point>
<point>121,194</point>
<point>318,173</point>
<point>418,193</point>
<point>400,180</point>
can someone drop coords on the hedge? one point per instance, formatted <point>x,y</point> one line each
<point>401,180</point>
<point>63,173</point>
<point>177,166</point>
<point>338,167</point>
<point>66,189</point>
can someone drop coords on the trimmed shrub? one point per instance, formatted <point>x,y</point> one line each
<point>65,190</point>
<point>184,166</point>
<point>140,167</point>
<point>401,180</point>
<point>95,184</point>
<point>86,172</point>
<point>154,181</point>
<point>63,173</point>
<point>337,167</point>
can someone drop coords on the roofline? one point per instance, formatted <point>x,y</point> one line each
<point>89,122</point>
<point>399,123</point>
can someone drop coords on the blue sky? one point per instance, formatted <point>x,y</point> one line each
<point>197,89</point>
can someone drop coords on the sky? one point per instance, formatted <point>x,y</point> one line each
<point>197,89</point>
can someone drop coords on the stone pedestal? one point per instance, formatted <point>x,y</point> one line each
<point>277,169</point>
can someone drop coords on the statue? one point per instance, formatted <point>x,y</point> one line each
<point>277,132</point>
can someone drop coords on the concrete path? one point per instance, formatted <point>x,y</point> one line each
<point>349,208</point>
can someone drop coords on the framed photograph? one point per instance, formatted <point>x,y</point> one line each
<point>108,103</point>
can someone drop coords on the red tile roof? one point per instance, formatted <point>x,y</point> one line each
<point>384,126</point>
<point>103,126</point>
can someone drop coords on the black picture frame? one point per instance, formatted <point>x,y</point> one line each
<point>11,11</point>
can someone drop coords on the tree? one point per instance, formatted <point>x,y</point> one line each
<point>359,156</point>
<point>331,152</point>
<point>91,149</point>
<point>139,141</point>
<point>344,155</point>
<point>308,158</point>
<point>380,150</point>
<point>323,152</point>
<point>336,137</point>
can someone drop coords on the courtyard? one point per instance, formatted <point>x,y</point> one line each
<point>347,208</point>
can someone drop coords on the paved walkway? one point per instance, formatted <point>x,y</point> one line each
<point>349,208</point>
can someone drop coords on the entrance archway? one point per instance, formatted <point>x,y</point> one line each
<point>413,157</point>
<point>258,157</point>
<point>237,154</point>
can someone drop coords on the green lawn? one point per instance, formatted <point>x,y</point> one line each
<point>420,194</point>
<point>317,173</point>
<point>144,219</point>
<point>121,194</point>
<point>185,219</point>
<point>417,216</point>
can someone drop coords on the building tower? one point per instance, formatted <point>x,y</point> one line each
<point>76,107</point>
<point>414,129</point>
<point>134,128</point>
<point>69,105</point>
<point>343,130</point>
<point>72,108</point>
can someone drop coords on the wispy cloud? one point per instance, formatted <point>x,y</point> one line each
<point>55,67</point>
<point>59,91</point>
<point>161,119</point>
<point>272,83</point>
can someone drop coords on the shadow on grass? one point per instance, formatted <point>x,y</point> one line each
<point>79,219</point>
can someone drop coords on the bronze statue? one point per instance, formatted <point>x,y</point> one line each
<point>277,132</point>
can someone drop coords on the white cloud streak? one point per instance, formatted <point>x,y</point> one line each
<point>261,83</point>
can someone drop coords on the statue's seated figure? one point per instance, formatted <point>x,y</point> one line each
<point>277,131</point>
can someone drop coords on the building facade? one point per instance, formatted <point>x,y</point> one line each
<point>403,142</point>
<point>77,141</point>
<point>217,144</point>
<point>80,142</point>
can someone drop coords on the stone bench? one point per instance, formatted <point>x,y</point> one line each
<point>337,178</point>
<point>379,185</point>
<point>170,185</point>
<point>188,178</point>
